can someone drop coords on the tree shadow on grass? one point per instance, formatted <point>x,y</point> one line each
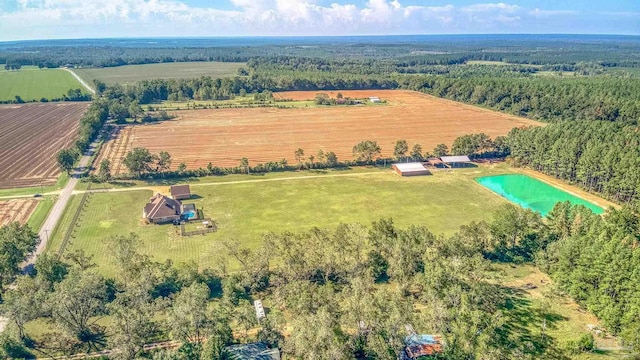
<point>123,183</point>
<point>522,318</point>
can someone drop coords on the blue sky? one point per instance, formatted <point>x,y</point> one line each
<point>50,19</point>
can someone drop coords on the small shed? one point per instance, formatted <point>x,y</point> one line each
<point>180,192</point>
<point>456,161</point>
<point>259,309</point>
<point>410,169</point>
<point>253,351</point>
<point>374,99</point>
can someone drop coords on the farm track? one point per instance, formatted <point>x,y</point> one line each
<point>224,136</point>
<point>30,137</point>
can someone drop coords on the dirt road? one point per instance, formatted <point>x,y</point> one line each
<point>89,88</point>
<point>58,208</point>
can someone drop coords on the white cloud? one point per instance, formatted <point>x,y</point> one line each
<point>492,7</point>
<point>92,18</point>
<point>544,13</point>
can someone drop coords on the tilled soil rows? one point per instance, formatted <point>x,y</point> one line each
<point>224,136</point>
<point>30,137</point>
<point>16,210</point>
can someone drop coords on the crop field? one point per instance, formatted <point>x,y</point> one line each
<point>248,206</point>
<point>224,136</point>
<point>16,210</point>
<point>129,74</point>
<point>30,137</point>
<point>31,83</point>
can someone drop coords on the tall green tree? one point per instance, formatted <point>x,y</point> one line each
<point>104,172</point>
<point>16,243</point>
<point>75,307</point>
<point>401,149</point>
<point>299,154</point>
<point>66,158</point>
<point>366,151</point>
<point>416,152</point>
<point>440,150</point>
<point>138,160</point>
<point>244,164</point>
<point>133,325</point>
<point>24,302</point>
<point>164,161</point>
<point>189,319</point>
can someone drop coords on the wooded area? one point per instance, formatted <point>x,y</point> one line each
<point>321,284</point>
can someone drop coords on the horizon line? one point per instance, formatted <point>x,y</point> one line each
<point>318,36</point>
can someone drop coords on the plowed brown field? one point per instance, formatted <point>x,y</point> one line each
<point>224,136</point>
<point>16,210</point>
<point>30,137</point>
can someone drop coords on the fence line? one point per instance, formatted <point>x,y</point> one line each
<point>74,220</point>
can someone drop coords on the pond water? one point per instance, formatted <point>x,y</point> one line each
<point>532,193</point>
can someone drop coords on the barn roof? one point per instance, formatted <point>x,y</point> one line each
<point>180,190</point>
<point>410,167</point>
<point>455,159</point>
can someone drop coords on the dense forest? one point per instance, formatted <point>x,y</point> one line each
<point>599,156</point>
<point>620,51</point>
<point>343,293</point>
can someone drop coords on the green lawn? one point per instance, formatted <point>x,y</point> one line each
<point>40,213</point>
<point>60,183</point>
<point>246,210</point>
<point>31,83</point>
<point>132,73</point>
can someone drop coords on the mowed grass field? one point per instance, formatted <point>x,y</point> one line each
<point>246,207</point>
<point>129,74</point>
<point>31,83</point>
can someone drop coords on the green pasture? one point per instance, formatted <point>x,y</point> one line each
<point>17,192</point>
<point>129,74</point>
<point>40,213</point>
<point>246,207</point>
<point>31,83</point>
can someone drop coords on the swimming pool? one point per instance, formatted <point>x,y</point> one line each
<point>189,215</point>
<point>531,193</point>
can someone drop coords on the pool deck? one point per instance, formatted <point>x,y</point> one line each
<point>571,189</point>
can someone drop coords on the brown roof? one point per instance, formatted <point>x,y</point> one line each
<point>180,190</point>
<point>160,206</point>
<point>416,351</point>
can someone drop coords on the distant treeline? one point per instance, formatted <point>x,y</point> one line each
<point>542,50</point>
<point>548,99</point>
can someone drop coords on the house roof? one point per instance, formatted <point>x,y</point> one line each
<point>422,345</point>
<point>455,159</point>
<point>180,190</point>
<point>160,206</point>
<point>410,167</point>
<point>254,351</point>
